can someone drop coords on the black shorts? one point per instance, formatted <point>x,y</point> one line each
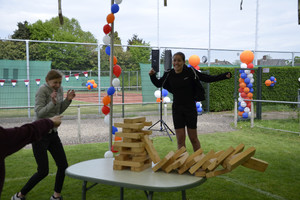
<point>184,116</point>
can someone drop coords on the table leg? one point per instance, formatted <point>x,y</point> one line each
<point>149,195</point>
<point>121,193</point>
<point>83,195</point>
<point>183,194</point>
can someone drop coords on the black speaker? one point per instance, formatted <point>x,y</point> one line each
<point>168,60</point>
<point>155,60</point>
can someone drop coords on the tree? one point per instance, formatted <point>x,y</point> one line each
<point>22,32</point>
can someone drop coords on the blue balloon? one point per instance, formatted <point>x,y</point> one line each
<point>199,109</point>
<point>272,78</point>
<point>247,80</point>
<point>165,92</point>
<point>243,75</point>
<point>86,84</point>
<point>114,130</point>
<point>241,108</point>
<point>198,105</point>
<point>249,85</point>
<point>251,90</point>
<point>272,84</point>
<point>242,71</point>
<point>115,8</point>
<point>245,115</point>
<point>107,50</point>
<point>189,65</point>
<point>111,90</point>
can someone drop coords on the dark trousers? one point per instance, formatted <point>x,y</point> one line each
<point>52,143</point>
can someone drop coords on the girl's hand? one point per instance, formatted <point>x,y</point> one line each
<point>151,72</point>
<point>70,95</point>
<point>228,75</point>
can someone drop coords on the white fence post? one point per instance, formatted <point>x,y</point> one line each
<point>78,124</point>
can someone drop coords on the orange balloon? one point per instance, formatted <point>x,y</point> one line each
<point>247,56</point>
<point>241,80</point>
<point>268,82</point>
<point>250,95</point>
<point>246,90</point>
<point>92,81</point>
<point>158,100</point>
<point>240,113</point>
<point>106,100</point>
<point>242,85</point>
<point>117,138</point>
<point>194,60</point>
<point>110,18</point>
<point>115,60</point>
<point>89,87</point>
<point>95,85</point>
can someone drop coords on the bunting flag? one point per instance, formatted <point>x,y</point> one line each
<point>67,78</point>
<point>13,82</point>
<point>38,81</point>
<point>2,82</point>
<point>26,82</point>
<point>76,76</point>
<point>86,74</point>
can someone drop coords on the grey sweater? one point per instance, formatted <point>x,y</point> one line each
<point>44,107</point>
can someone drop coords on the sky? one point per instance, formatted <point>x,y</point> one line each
<point>182,23</point>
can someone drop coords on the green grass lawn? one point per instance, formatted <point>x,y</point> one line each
<point>280,181</point>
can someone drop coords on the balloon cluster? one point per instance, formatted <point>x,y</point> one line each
<point>194,61</point>
<point>271,81</point>
<point>164,94</point>
<point>199,107</point>
<point>90,84</point>
<point>116,68</point>
<point>246,81</point>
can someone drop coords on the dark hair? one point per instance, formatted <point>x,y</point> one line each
<point>53,74</point>
<point>181,55</point>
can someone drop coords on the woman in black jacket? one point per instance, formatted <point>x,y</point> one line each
<point>184,83</point>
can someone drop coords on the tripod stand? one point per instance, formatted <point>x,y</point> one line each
<point>163,126</point>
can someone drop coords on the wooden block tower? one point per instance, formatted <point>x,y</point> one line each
<point>136,151</point>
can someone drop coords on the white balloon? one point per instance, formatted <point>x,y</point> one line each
<point>108,154</point>
<point>157,93</point>
<point>240,99</point>
<point>116,82</point>
<point>243,104</point>
<point>243,65</point>
<point>247,71</point>
<point>250,76</point>
<point>252,80</point>
<point>106,40</point>
<point>247,109</point>
<point>106,119</point>
<point>167,100</point>
<point>118,1</point>
<point>249,114</point>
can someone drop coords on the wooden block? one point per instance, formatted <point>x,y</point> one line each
<point>130,150</point>
<point>238,149</point>
<point>134,120</point>
<point>129,135</point>
<point>119,167</point>
<point>220,159</point>
<point>208,163</point>
<point>256,164</point>
<point>240,158</point>
<point>177,153</point>
<point>186,166</point>
<point>150,149</point>
<point>163,161</point>
<point>146,132</point>
<point>123,157</point>
<point>147,123</point>
<point>139,169</point>
<point>131,140</point>
<point>200,173</point>
<point>216,173</point>
<point>128,163</point>
<point>206,157</point>
<point>135,126</point>
<point>128,130</point>
<point>179,162</point>
<point>193,155</point>
<point>128,144</point>
<point>140,158</point>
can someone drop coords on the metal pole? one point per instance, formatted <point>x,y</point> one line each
<point>293,59</point>
<point>99,82</point>
<point>123,114</point>
<point>79,124</point>
<point>111,77</point>
<point>137,80</point>
<point>28,77</point>
<point>235,112</point>
<point>256,30</point>
<point>209,32</point>
<point>252,114</point>
<point>158,23</point>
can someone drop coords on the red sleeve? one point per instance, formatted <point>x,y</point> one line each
<point>13,139</point>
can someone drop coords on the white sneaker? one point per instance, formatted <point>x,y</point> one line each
<point>15,197</point>
<point>57,198</point>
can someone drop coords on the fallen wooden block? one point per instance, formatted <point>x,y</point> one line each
<point>220,159</point>
<point>206,157</point>
<point>176,155</point>
<point>179,162</point>
<point>216,173</point>
<point>150,149</point>
<point>200,173</point>
<point>190,161</point>
<point>256,164</point>
<point>240,158</point>
<point>238,149</point>
<point>163,161</point>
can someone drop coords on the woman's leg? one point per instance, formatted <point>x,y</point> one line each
<point>57,151</point>
<point>180,135</point>
<point>192,133</point>
<point>41,158</point>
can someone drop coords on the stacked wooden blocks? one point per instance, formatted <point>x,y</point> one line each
<point>136,150</point>
<point>210,164</point>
